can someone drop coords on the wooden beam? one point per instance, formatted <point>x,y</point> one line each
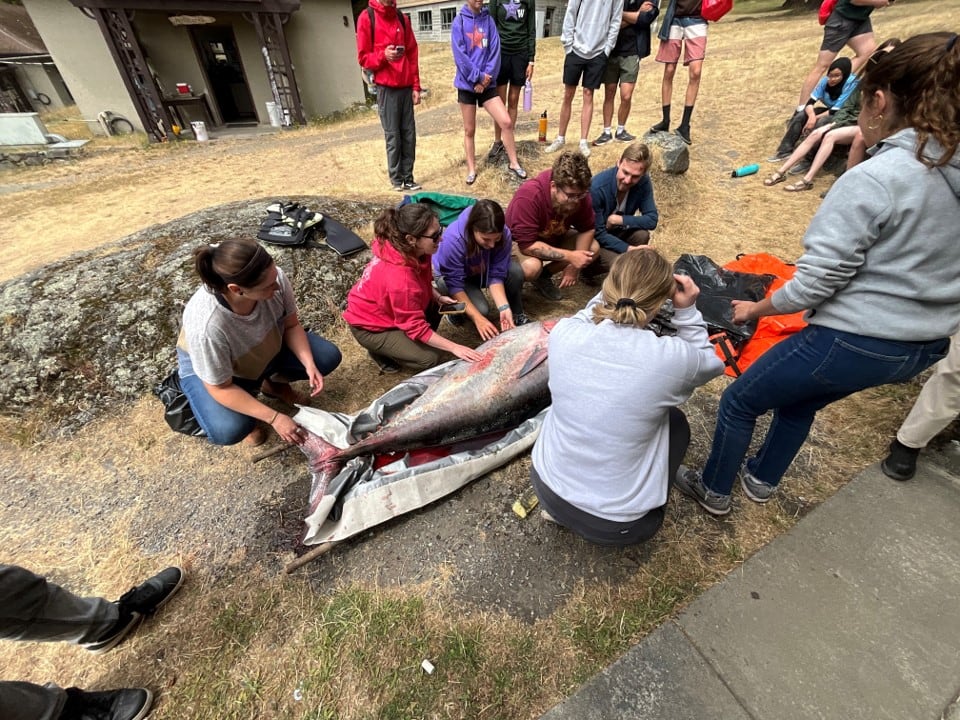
<point>194,7</point>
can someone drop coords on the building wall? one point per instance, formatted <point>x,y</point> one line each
<point>81,54</point>
<point>323,44</point>
<point>416,10</point>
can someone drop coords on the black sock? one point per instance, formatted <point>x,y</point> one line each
<point>687,112</point>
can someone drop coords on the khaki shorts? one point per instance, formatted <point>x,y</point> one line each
<point>623,69</point>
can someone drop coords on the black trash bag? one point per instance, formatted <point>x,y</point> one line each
<point>177,411</point>
<point>717,288</point>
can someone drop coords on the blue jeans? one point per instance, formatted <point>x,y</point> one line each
<point>228,427</point>
<point>796,378</point>
<point>512,287</point>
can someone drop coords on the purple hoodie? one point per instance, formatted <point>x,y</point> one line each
<point>476,48</point>
<point>451,261</point>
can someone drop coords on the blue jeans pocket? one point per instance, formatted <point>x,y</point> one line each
<point>851,367</point>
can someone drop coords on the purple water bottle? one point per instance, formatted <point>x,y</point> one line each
<point>528,96</point>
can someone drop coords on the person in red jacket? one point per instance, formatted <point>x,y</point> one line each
<point>392,310</point>
<point>388,49</point>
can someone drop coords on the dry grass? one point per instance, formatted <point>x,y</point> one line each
<point>240,640</point>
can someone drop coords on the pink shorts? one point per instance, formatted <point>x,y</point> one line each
<point>693,38</point>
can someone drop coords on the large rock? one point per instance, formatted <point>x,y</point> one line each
<point>101,325</point>
<point>674,152</point>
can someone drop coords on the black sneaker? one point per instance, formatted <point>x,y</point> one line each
<point>412,185</point>
<point>387,365</point>
<point>684,134</point>
<point>689,482</point>
<point>124,704</point>
<point>495,150</point>
<point>520,319</point>
<point>144,599</point>
<point>544,285</point>
<point>624,136</point>
<point>603,138</point>
<point>659,128</point>
<point>901,463</point>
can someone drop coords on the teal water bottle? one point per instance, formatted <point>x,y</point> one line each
<point>745,170</point>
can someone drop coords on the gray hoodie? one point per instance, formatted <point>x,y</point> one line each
<point>882,255</point>
<point>590,27</point>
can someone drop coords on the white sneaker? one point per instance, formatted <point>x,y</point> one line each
<point>555,145</point>
<point>585,148</point>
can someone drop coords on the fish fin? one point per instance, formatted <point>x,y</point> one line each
<point>319,452</point>
<point>537,357</point>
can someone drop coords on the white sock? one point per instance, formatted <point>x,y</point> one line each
<point>621,128</point>
<point>606,130</point>
<point>800,108</point>
<point>561,139</point>
<point>584,141</point>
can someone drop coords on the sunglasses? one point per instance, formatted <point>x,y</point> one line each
<point>434,236</point>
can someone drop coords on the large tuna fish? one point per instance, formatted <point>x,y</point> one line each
<point>498,392</point>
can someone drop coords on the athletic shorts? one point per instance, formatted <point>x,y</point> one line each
<point>468,97</point>
<point>838,31</point>
<point>513,69</point>
<point>591,70</point>
<point>691,33</point>
<point>623,69</point>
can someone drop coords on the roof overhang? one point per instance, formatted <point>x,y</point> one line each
<point>194,6</point>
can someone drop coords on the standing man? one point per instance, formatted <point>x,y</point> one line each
<point>552,221</point>
<point>623,205</point>
<point>387,48</point>
<point>623,67</point>
<point>516,22</point>
<point>590,29</point>
<point>682,26</point>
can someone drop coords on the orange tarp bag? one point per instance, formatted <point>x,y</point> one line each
<point>773,328</point>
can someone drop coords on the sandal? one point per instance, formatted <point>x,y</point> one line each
<point>776,177</point>
<point>799,185</point>
<point>519,172</point>
<point>470,179</point>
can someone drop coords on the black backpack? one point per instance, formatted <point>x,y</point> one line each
<point>288,224</point>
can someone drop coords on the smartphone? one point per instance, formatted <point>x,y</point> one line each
<point>399,49</point>
<point>453,308</point>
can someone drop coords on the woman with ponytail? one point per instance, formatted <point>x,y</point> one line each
<point>241,336</point>
<point>878,276</point>
<point>614,437</point>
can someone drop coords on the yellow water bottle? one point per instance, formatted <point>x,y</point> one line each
<point>542,135</point>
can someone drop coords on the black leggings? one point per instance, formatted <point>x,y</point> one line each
<point>608,532</point>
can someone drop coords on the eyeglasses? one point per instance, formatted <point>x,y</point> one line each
<point>574,196</point>
<point>435,236</point>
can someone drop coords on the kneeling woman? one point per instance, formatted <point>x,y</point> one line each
<point>392,310</point>
<point>476,254</point>
<point>241,335</point>
<point>613,439</point>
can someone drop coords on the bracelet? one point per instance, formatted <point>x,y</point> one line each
<point>274,419</point>
<point>530,63</point>
<point>503,308</point>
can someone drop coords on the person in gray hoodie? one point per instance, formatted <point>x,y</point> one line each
<point>878,276</point>
<point>590,29</point>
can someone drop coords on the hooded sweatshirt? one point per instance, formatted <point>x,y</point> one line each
<point>455,266</point>
<point>590,27</point>
<point>388,30</point>
<point>392,294</point>
<point>881,254</point>
<point>476,48</point>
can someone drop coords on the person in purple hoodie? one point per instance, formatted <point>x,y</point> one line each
<point>476,54</point>
<point>476,254</point>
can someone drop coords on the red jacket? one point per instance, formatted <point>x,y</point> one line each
<point>405,72</point>
<point>392,294</point>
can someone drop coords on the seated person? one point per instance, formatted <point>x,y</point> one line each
<point>831,92</point>
<point>476,253</point>
<point>241,335</point>
<point>392,310</point>
<point>552,221</point>
<point>623,204</point>
<point>613,438</point>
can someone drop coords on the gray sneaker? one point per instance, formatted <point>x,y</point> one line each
<point>604,138</point>
<point>800,168</point>
<point>688,482</point>
<point>544,285</point>
<point>755,488</point>
<point>624,136</point>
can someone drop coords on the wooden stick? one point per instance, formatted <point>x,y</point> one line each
<point>271,452</point>
<point>309,556</point>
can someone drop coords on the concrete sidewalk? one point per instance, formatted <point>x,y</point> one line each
<point>852,614</point>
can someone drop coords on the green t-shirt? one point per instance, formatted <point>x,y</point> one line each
<point>853,12</point>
